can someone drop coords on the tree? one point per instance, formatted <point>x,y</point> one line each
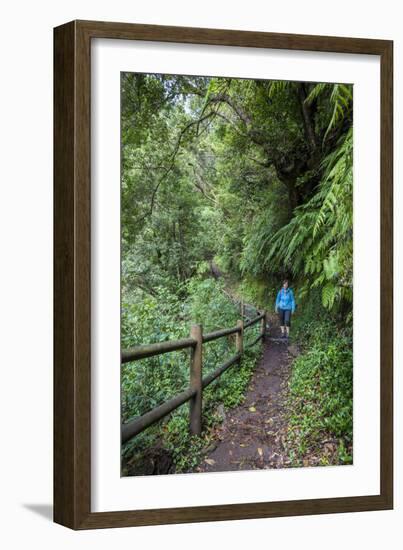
<point>256,174</point>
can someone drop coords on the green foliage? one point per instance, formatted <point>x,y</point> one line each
<point>340,101</point>
<point>149,382</point>
<point>320,398</point>
<point>320,401</point>
<point>229,185</point>
<point>317,242</point>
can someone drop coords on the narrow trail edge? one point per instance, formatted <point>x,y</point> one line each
<point>252,435</point>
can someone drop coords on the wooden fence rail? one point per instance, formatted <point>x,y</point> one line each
<point>194,393</point>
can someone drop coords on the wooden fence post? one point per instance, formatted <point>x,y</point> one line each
<point>263,326</point>
<point>195,406</point>
<point>239,337</point>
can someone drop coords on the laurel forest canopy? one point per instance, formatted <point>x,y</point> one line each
<point>228,185</point>
<point>253,175</point>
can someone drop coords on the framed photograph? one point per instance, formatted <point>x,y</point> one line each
<point>223,274</point>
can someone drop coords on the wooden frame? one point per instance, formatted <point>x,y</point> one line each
<point>72,320</point>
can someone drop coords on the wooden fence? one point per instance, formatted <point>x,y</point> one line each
<point>194,393</point>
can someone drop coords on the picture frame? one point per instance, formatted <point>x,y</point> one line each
<point>72,274</point>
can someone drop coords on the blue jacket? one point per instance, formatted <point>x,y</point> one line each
<point>285,299</point>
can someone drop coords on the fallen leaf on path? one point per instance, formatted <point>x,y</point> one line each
<point>252,409</point>
<point>260,451</point>
<point>329,448</point>
<point>209,461</point>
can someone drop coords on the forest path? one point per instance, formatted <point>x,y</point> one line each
<point>252,435</point>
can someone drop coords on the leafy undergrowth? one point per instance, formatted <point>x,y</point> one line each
<point>320,401</point>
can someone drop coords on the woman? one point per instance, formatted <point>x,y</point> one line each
<point>285,305</point>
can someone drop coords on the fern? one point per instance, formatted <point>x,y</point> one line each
<point>318,239</point>
<point>278,86</point>
<point>340,101</point>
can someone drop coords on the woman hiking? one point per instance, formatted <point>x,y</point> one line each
<point>285,305</point>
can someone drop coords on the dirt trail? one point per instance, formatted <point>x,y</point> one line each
<point>252,434</point>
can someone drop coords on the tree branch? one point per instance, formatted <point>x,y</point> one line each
<point>171,163</point>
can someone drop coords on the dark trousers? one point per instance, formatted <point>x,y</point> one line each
<point>284,317</point>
